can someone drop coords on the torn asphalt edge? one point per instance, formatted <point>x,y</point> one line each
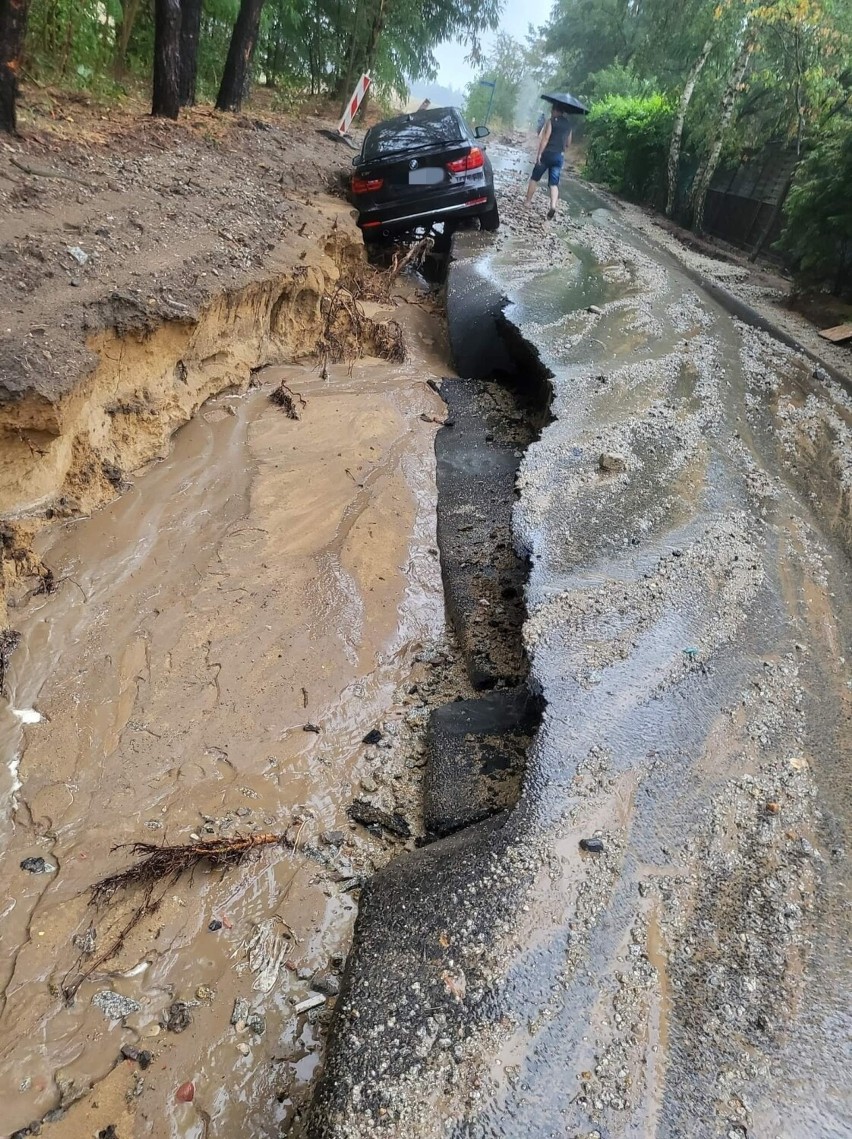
<point>418,982</point>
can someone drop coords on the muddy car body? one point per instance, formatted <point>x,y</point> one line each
<point>418,170</point>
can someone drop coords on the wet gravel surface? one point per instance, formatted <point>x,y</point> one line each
<point>653,941</point>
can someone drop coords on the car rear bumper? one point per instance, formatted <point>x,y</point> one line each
<point>398,217</point>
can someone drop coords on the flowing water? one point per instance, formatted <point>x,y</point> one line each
<point>267,575</point>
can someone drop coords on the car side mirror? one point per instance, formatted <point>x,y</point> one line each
<point>481,132</point>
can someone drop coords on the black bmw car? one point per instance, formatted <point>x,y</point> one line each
<point>419,169</point>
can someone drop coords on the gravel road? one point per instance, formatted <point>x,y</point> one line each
<point>654,941</point>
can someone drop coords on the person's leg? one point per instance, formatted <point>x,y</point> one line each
<point>553,185</point>
<point>535,178</point>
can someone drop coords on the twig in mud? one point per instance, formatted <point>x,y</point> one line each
<point>161,864</point>
<point>415,255</point>
<point>47,173</point>
<point>165,861</point>
<point>286,399</point>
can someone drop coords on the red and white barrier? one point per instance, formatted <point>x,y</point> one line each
<point>353,104</point>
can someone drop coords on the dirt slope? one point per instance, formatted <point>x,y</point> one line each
<point>206,247</point>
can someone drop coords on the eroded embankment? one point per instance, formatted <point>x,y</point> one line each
<point>60,459</point>
<point>420,971</point>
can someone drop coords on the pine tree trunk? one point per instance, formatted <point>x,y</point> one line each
<point>13,25</point>
<point>166,101</point>
<point>235,78</point>
<point>677,130</point>
<point>129,12</point>
<point>376,30</point>
<point>726,111</point>
<point>347,78</point>
<point>190,28</point>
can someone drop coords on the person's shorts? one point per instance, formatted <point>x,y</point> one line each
<point>552,163</point>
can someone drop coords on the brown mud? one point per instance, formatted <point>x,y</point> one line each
<point>202,658</point>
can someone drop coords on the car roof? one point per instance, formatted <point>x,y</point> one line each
<point>431,115</point>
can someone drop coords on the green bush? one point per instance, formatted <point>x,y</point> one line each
<point>628,147</point>
<point>818,214</point>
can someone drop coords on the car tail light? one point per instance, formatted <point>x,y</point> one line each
<point>473,161</point>
<point>366,185</point>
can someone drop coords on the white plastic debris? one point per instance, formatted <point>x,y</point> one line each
<point>313,1001</point>
<point>79,255</point>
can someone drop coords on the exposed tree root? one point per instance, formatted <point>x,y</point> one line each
<point>286,400</point>
<point>159,865</point>
<point>171,861</point>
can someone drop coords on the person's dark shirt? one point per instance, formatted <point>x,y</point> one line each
<point>560,128</point>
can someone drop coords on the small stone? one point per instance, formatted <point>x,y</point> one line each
<point>243,1049</point>
<point>592,845</point>
<point>327,984</point>
<point>595,310</point>
<point>140,1056</point>
<point>241,1011</point>
<point>115,1006</point>
<point>37,866</point>
<point>205,993</point>
<point>186,1092</point>
<point>177,1017</point>
<point>773,808</point>
<point>256,1023</point>
<point>332,838</point>
<point>372,737</point>
<point>612,462</point>
<point>214,926</point>
<point>79,255</point>
<point>369,784</point>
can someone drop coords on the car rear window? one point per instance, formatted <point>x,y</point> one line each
<point>409,132</point>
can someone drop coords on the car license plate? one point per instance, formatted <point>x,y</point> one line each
<point>428,176</point>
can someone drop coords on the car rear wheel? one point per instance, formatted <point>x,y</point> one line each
<point>490,220</point>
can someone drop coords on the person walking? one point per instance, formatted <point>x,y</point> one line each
<point>550,155</point>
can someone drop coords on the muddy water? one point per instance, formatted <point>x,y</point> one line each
<point>268,575</point>
<point>688,617</point>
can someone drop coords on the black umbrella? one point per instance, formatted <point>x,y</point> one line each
<point>566,102</point>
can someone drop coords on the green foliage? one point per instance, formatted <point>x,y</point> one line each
<point>305,47</point>
<point>628,143</point>
<point>818,213</point>
<point>506,67</point>
<point>72,40</point>
<point>521,72</point>
<point>618,79</point>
